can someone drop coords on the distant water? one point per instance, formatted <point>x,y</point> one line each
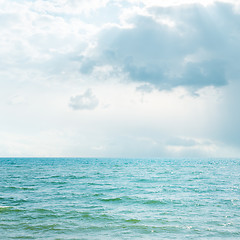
<point>81,198</point>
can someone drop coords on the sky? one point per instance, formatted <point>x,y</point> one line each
<point>119,78</point>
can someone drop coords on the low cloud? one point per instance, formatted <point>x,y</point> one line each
<point>84,101</point>
<point>187,142</point>
<point>182,142</point>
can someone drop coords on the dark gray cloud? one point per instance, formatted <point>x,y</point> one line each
<point>84,101</point>
<point>200,50</point>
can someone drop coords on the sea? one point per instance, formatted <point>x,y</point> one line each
<point>105,198</point>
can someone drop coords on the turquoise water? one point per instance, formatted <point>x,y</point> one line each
<point>65,198</point>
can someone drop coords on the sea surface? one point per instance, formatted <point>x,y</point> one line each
<point>89,198</point>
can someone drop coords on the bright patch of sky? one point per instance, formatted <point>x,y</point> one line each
<point>132,78</point>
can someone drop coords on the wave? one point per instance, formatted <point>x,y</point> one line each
<point>116,199</point>
<point>111,199</point>
<point>19,188</point>
<point>154,202</point>
<point>10,209</point>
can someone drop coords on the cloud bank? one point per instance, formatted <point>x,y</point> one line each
<point>191,46</point>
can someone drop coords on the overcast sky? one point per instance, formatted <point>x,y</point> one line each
<point>116,78</point>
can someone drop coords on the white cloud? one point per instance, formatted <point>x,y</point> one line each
<point>164,3</point>
<point>84,101</point>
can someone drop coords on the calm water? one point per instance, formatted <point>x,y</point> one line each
<point>119,199</point>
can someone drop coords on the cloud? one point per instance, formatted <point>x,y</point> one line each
<point>199,49</point>
<point>145,88</point>
<point>84,101</point>
<point>16,99</point>
<point>225,124</point>
<point>186,142</point>
<point>182,45</point>
<point>39,39</point>
<point>191,147</point>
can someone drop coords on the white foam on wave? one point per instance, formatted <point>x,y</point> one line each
<point>5,207</point>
